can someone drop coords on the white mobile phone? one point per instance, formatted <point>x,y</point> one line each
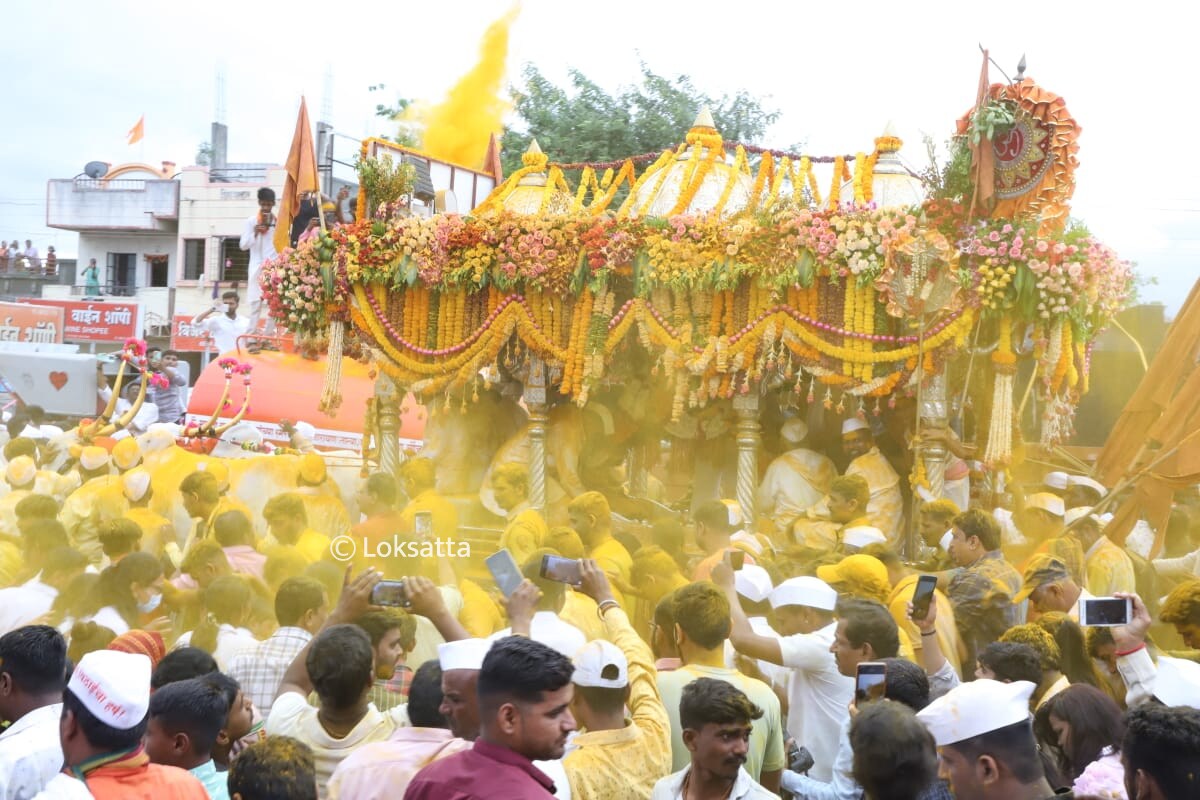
<point>504,571</point>
<point>1105,612</point>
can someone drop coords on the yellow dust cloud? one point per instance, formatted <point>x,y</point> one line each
<point>458,128</point>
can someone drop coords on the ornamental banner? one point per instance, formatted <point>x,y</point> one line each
<point>33,324</point>
<point>96,320</point>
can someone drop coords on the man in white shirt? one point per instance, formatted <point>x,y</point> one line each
<point>32,674</point>
<point>223,323</point>
<point>818,694</point>
<point>258,239</point>
<point>24,603</point>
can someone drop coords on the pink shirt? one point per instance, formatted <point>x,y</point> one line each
<point>383,770</point>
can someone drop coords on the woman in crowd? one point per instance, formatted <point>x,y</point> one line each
<point>129,593</point>
<point>1084,727</point>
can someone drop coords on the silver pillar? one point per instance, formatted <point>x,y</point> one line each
<point>746,408</point>
<point>535,401</point>
<point>387,413</point>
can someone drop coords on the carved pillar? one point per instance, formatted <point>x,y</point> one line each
<point>387,409</point>
<point>934,417</point>
<point>535,401</point>
<point>746,408</point>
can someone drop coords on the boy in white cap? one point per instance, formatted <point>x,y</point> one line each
<point>818,695</point>
<point>985,739</point>
<point>613,755</point>
<point>796,480</point>
<point>886,508</point>
<point>103,721</point>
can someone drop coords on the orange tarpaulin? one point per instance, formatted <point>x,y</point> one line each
<point>1161,415</point>
<point>301,177</point>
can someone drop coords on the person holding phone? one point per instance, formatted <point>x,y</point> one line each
<point>258,239</point>
<point>716,523</point>
<point>906,582</point>
<point>526,530</point>
<point>222,322</point>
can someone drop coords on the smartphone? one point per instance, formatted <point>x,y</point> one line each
<point>389,593</point>
<point>923,596</point>
<point>1104,612</point>
<point>423,523</point>
<point>871,681</point>
<point>736,559</point>
<point>563,570</point>
<point>505,571</point>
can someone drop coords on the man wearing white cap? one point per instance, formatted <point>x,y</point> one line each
<point>157,530</point>
<point>461,659</point>
<point>985,740</point>
<point>20,474</point>
<point>1107,567</point>
<point>613,755</point>
<point>76,515</point>
<point>32,664</point>
<point>886,508</point>
<point>796,480</point>
<point>818,695</point>
<point>754,587</point>
<point>1083,491</point>
<point>103,722</point>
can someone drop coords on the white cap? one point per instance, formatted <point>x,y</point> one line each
<point>748,539</point>
<point>753,583</point>
<point>794,431</point>
<point>1046,502</point>
<point>20,471</point>
<point>593,659</point>
<point>946,537</point>
<point>1056,480</point>
<point>306,430</point>
<point>925,494</point>
<point>1079,512</point>
<point>113,686</point>
<point>733,512</point>
<point>1177,682</point>
<point>805,591</point>
<point>862,535</point>
<point>1083,480</point>
<point>975,708</point>
<point>854,424</point>
<point>463,654</point>
<point>135,484</point>
<point>1105,518</point>
<point>93,458</point>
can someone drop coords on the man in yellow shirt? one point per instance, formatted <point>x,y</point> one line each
<point>526,530</point>
<point>77,512</point>
<point>287,520</point>
<point>325,512</point>
<point>904,583</point>
<point>157,530</point>
<point>613,756</point>
<point>592,520</point>
<point>419,480</point>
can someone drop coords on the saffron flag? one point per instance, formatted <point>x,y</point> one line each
<point>301,177</point>
<point>137,131</point>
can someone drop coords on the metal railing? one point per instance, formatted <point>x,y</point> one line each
<point>116,185</point>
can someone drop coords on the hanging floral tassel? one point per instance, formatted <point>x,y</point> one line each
<point>1004,363</point>
<point>331,397</point>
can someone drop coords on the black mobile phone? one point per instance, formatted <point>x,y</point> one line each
<point>736,559</point>
<point>1104,612</point>
<point>389,593</point>
<point>923,596</point>
<point>505,571</point>
<point>870,682</point>
<point>563,570</point>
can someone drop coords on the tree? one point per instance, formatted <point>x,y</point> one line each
<point>407,133</point>
<point>204,154</point>
<point>583,122</point>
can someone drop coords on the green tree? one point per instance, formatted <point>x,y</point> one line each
<point>583,122</point>
<point>407,133</point>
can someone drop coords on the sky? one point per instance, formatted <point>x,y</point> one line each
<point>82,73</point>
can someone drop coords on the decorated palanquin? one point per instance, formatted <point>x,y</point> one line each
<point>717,271</point>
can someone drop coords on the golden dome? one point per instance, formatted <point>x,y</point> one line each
<point>532,195</point>
<point>696,181</point>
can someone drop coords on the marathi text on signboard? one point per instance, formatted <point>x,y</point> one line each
<point>97,321</point>
<point>33,324</point>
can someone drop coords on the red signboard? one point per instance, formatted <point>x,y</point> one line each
<point>34,324</point>
<point>97,320</point>
<point>186,337</point>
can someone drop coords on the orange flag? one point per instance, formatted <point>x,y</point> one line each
<point>137,131</point>
<point>983,158</point>
<point>301,177</point>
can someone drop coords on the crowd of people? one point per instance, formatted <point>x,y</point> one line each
<point>249,657</point>
<point>28,259</point>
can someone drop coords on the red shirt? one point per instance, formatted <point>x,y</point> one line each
<point>485,771</point>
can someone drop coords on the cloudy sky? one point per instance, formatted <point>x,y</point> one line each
<point>81,73</point>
